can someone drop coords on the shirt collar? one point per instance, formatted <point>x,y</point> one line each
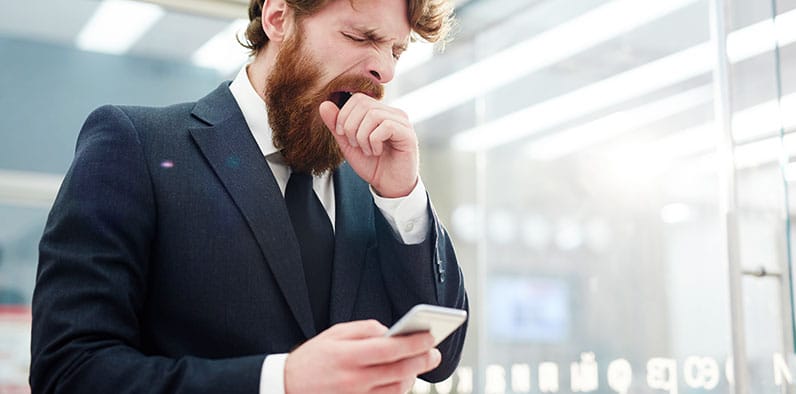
<point>254,111</point>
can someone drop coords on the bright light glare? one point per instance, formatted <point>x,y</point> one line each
<point>790,172</point>
<point>415,55</point>
<point>543,50</point>
<point>764,118</point>
<point>762,37</point>
<point>676,213</point>
<point>222,52</point>
<point>577,138</point>
<point>633,83</point>
<point>117,25</point>
<point>645,79</point>
<point>701,140</point>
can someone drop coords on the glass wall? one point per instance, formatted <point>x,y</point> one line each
<point>617,190</point>
<point>612,240</point>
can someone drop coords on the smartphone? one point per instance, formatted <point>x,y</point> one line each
<point>439,320</point>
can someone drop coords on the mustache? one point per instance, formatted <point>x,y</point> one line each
<point>339,89</point>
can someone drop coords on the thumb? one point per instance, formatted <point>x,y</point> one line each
<point>329,113</point>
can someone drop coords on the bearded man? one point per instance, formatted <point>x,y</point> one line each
<point>260,239</point>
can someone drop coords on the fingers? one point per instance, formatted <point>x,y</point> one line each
<point>350,121</point>
<point>385,350</point>
<point>390,130</point>
<point>329,114</point>
<point>368,346</point>
<point>356,357</point>
<point>362,116</point>
<point>408,368</point>
<point>359,329</point>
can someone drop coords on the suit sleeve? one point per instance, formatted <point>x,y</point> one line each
<point>91,283</point>
<point>426,273</point>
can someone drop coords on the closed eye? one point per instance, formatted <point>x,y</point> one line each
<point>353,38</point>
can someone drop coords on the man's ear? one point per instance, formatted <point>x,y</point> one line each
<point>275,19</point>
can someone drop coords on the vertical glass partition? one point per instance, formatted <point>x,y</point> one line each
<point>576,159</point>
<point>761,134</point>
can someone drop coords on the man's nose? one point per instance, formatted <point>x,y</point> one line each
<point>381,67</point>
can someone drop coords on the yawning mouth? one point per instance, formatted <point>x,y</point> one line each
<point>340,98</point>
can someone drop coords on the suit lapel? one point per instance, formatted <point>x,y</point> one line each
<point>353,236</point>
<point>234,156</point>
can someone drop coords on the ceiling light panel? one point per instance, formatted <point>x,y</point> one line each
<point>671,70</point>
<point>543,50</point>
<point>222,52</point>
<point>117,25</point>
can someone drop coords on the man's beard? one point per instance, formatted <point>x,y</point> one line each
<point>293,98</point>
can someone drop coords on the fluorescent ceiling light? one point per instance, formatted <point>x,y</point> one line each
<point>543,50</point>
<point>116,25</point>
<point>676,213</point>
<point>222,52</point>
<point>703,138</point>
<point>758,121</point>
<point>762,37</point>
<point>764,119</point>
<point>577,138</point>
<point>691,141</point>
<point>621,87</point>
<point>763,152</point>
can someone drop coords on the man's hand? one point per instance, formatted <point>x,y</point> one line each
<point>356,357</point>
<point>378,142</point>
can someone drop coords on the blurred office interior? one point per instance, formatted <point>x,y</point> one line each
<point>616,179</point>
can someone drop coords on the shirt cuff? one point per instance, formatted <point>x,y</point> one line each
<point>272,376</point>
<point>408,215</point>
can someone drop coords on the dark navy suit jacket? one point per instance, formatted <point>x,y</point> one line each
<point>168,263</point>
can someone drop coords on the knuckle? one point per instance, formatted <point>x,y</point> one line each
<point>372,118</point>
<point>363,136</point>
<point>349,128</point>
<point>386,124</point>
<point>336,328</point>
<point>342,356</point>
<point>374,325</point>
<point>369,324</point>
<point>346,379</point>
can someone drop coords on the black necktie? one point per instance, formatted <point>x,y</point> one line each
<point>316,241</point>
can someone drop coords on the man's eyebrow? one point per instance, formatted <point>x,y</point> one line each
<point>372,35</point>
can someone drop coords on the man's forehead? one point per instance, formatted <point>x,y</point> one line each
<point>371,16</point>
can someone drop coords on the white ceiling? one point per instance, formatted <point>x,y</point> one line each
<point>176,36</point>
<point>186,26</point>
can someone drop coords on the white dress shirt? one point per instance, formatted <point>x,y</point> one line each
<point>407,215</point>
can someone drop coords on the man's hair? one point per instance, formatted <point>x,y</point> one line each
<point>429,19</point>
